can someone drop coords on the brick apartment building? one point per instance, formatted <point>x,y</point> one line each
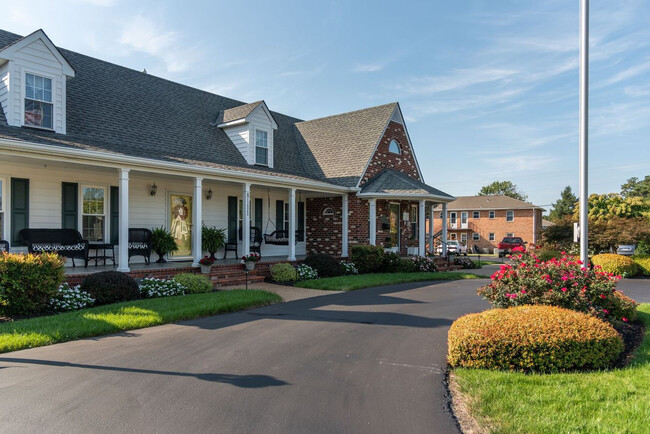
<point>484,220</point>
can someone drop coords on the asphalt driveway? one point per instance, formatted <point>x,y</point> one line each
<point>369,361</point>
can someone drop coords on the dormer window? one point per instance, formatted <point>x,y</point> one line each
<point>261,147</point>
<point>394,147</point>
<point>38,101</point>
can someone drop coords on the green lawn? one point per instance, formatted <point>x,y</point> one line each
<point>612,401</point>
<point>350,283</point>
<point>113,318</point>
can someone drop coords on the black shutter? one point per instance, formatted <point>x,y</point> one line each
<point>232,219</point>
<point>19,209</point>
<point>69,205</point>
<point>259,203</point>
<point>301,222</point>
<point>114,222</point>
<point>279,215</point>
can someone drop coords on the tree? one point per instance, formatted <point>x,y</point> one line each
<point>635,188</point>
<point>506,188</point>
<point>565,205</point>
<point>606,206</point>
<point>607,234</point>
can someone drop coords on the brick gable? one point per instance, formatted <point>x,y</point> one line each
<point>383,159</point>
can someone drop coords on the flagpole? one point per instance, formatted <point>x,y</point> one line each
<point>584,127</point>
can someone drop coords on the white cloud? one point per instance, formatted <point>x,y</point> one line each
<point>628,73</point>
<point>103,3</point>
<point>368,67</point>
<point>143,35</point>
<point>457,80</point>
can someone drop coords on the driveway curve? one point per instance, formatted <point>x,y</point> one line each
<point>369,361</point>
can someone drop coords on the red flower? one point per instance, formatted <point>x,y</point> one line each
<point>624,319</point>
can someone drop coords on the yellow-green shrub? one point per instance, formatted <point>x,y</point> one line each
<point>643,262</point>
<point>532,338</point>
<point>27,282</point>
<point>616,264</point>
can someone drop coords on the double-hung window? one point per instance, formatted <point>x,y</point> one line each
<point>492,214</point>
<point>510,216</point>
<point>414,221</point>
<point>476,214</point>
<point>38,101</point>
<point>261,147</point>
<point>93,213</point>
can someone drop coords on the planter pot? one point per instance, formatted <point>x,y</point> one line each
<point>161,259</point>
<point>250,265</point>
<point>205,269</point>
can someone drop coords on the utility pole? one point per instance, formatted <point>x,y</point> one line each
<point>584,127</point>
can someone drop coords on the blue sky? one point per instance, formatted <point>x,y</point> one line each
<point>489,89</point>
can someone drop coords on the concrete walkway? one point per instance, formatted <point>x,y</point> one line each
<point>288,293</point>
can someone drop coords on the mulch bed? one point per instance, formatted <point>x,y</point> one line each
<point>632,334</point>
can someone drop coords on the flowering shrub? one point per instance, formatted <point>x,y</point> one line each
<point>558,282</point>
<point>150,287</point>
<point>349,268</point>
<point>532,338</point>
<point>305,272</point>
<point>616,264</point>
<point>67,298</point>
<point>254,257</point>
<point>422,263</point>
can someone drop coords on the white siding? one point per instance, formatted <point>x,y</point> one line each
<point>37,59</point>
<point>259,119</point>
<point>4,87</point>
<point>239,135</point>
<point>145,211</point>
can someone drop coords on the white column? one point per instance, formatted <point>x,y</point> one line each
<point>246,217</point>
<point>431,228</point>
<point>443,236</point>
<point>344,226</point>
<point>292,225</point>
<point>422,229</point>
<point>123,250</point>
<point>372,236</point>
<point>197,222</point>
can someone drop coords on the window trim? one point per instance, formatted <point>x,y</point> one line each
<point>23,95</point>
<point>107,211</point>
<point>399,147</point>
<point>476,214</point>
<point>463,234</point>
<point>492,236</point>
<point>476,236</point>
<point>492,214</point>
<point>513,215</point>
<point>510,234</point>
<point>268,135</point>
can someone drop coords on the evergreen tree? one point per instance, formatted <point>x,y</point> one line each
<point>635,188</point>
<point>564,206</point>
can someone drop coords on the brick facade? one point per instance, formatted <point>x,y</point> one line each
<point>383,159</point>
<point>324,231</point>
<point>522,226</point>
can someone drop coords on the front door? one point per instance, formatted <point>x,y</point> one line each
<point>394,225</point>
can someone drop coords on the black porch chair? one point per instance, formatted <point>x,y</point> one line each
<point>4,246</point>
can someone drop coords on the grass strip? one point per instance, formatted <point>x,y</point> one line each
<point>113,318</point>
<point>605,401</point>
<point>359,281</point>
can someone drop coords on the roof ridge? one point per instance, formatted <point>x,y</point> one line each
<point>349,113</point>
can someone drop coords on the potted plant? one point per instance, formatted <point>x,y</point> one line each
<point>212,239</point>
<point>162,243</point>
<point>250,260</point>
<point>206,264</point>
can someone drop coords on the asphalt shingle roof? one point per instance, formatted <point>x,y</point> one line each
<point>341,145</point>
<point>118,110</point>
<point>469,203</point>
<point>394,182</point>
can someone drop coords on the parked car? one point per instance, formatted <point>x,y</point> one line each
<point>454,246</point>
<point>507,244</point>
<point>626,249</point>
